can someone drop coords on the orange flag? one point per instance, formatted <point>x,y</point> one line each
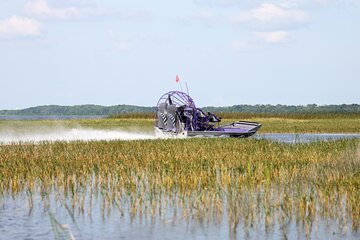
<point>177,78</point>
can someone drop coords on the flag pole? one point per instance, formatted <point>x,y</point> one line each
<point>187,89</point>
<point>181,87</point>
<point>178,81</point>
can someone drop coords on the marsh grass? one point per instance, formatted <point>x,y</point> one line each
<point>269,125</point>
<point>304,116</point>
<point>276,123</point>
<point>281,125</point>
<point>245,115</point>
<point>250,182</point>
<point>6,125</point>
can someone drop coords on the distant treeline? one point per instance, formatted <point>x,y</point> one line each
<point>239,115</point>
<point>90,110</point>
<point>286,109</point>
<point>228,112</point>
<point>135,115</point>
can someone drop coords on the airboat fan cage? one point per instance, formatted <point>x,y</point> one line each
<point>176,112</point>
<point>177,98</point>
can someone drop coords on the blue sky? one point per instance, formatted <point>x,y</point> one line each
<point>108,52</point>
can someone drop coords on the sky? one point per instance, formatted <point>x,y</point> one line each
<point>109,52</point>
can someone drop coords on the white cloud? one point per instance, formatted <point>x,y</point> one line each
<point>241,45</point>
<point>303,3</point>
<point>287,3</point>
<point>122,46</point>
<point>271,17</point>
<point>206,14</point>
<point>19,27</point>
<point>275,37</point>
<point>324,3</point>
<point>42,10</point>
<point>225,3</point>
<point>121,43</point>
<point>338,3</point>
<point>138,15</point>
<point>260,39</point>
<point>205,17</point>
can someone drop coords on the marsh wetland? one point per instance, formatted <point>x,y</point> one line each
<point>180,188</point>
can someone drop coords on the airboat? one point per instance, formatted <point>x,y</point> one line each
<point>177,115</point>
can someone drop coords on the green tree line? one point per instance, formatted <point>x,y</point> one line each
<point>128,109</point>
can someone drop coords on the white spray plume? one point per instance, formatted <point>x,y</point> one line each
<point>73,135</point>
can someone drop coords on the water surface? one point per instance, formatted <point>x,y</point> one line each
<point>305,137</point>
<point>58,219</point>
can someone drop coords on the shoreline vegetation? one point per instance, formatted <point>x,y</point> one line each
<point>90,109</point>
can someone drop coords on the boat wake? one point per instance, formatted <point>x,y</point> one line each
<point>75,134</point>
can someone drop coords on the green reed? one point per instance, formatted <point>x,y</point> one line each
<point>269,125</point>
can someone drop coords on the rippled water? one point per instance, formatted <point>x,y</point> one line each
<point>305,137</point>
<point>45,221</point>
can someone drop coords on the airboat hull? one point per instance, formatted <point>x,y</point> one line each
<point>219,134</point>
<point>234,130</point>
